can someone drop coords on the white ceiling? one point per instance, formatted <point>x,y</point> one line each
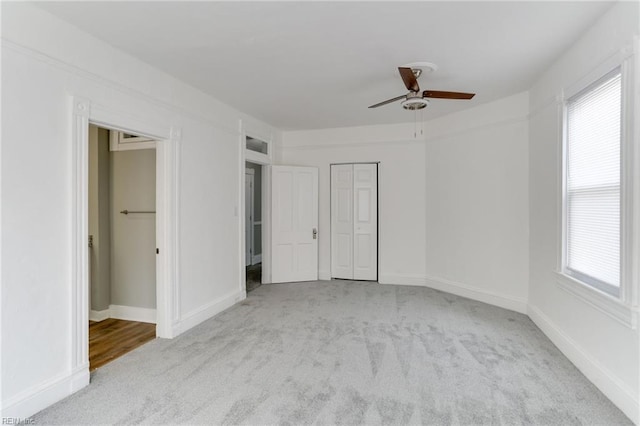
<point>307,65</point>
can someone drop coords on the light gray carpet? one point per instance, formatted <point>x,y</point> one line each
<point>344,352</point>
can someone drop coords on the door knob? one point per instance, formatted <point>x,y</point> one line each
<point>315,233</point>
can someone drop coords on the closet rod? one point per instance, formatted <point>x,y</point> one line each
<point>136,211</point>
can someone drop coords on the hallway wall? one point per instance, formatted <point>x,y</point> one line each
<point>133,236</point>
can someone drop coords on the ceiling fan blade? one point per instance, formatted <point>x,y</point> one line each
<point>388,101</point>
<point>409,79</point>
<point>446,95</point>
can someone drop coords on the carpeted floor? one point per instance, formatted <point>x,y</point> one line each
<point>345,352</point>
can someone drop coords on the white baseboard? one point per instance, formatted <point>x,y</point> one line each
<point>613,388</point>
<point>256,259</point>
<point>209,310</point>
<point>132,313</point>
<point>324,275</point>
<point>464,290</point>
<point>37,398</point>
<point>98,316</point>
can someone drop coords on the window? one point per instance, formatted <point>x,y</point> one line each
<point>120,141</point>
<point>592,197</point>
<point>253,144</point>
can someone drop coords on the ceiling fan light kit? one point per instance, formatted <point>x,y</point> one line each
<point>415,100</point>
<point>415,103</point>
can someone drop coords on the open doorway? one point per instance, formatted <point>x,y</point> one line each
<point>122,243</point>
<point>253,225</point>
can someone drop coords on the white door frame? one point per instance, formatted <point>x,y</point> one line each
<point>168,137</point>
<point>265,161</point>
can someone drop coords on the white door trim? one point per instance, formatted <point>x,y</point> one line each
<point>167,161</point>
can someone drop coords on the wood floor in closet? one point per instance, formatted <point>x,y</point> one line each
<point>112,338</point>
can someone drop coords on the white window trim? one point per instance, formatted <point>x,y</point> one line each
<point>625,308</point>
<point>603,302</point>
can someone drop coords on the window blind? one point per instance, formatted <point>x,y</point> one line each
<point>593,184</point>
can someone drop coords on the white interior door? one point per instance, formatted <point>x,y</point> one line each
<point>248,213</point>
<point>365,218</point>
<point>294,224</point>
<point>342,221</point>
<point>354,221</point>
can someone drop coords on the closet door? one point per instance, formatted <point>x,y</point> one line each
<point>342,221</point>
<point>365,218</point>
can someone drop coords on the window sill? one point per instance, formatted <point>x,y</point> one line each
<point>614,308</point>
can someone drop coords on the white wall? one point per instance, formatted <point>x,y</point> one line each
<point>453,204</point>
<point>44,62</point>
<point>133,236</point>
<point>603,348</point>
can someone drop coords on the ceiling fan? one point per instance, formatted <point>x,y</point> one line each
<point>415,100</point>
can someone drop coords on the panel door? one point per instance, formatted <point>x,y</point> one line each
<point>365,219</point>
<point>342,221</point>
<point>294,224</point>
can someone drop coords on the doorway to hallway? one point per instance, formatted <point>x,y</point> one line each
<point>253,225</point>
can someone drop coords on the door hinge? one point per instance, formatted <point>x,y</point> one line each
<point>157,250</point>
